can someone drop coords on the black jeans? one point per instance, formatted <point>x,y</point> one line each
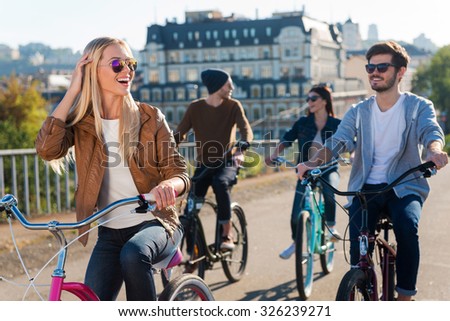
<point>221,178</point>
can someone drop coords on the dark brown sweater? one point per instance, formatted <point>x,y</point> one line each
<point>214,128</point>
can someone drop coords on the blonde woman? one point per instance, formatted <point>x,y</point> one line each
<point>122,148</point>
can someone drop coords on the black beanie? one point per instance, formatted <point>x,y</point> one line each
<point>214,79</point>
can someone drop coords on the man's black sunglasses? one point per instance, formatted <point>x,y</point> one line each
<point>383,67</point>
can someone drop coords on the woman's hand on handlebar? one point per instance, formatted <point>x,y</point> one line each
<point>302,168</point>
<point>164,194</point>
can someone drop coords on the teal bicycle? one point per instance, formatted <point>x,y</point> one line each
<point>312,238</point>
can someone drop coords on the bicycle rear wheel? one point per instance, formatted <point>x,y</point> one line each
<point>235,261</point>
<point>304,255</point>
<point>354,286</point>
<point>194,262</point>
<point>327,250</point>
<point>186,287</point>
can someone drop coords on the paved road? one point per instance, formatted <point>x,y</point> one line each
<point>269,278</point>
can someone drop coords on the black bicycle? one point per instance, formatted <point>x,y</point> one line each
<point>200,245</point>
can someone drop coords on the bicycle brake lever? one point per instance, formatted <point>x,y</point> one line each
<point>144,205</point>
<point>429,172</point>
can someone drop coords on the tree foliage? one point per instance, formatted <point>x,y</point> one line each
<point>433,81</point>
<point>22,111</point>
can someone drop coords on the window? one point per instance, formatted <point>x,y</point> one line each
<point>284,72</point>
<point>268,91</point>
<point>192,91</point>
<point>247,72</point>
<point>269,111</point>
<point>281,90</point>
<point>181,95</point>
<point>156,95</point>
<point>256,113</point>
<point>168,94</point>
<point>191,74</point>
<point>255,92</point>
<point>180,113</point>
<point>174,75</point>
<point>153,76</point>
<point>145,94</point>
<point>266,72</point>
<point>268,31</point>
<point>169,115</point>
<point>295,89</point>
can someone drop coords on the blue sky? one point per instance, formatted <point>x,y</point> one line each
<point>73,23</point>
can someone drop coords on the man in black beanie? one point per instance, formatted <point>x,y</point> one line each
<point>214,120</point>
<point>214,79</point>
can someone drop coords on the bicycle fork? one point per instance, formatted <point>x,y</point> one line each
<point>387,263</point>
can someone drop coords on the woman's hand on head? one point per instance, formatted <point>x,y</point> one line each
<point>77,74</point>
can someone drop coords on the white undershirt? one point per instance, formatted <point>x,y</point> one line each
<point>117,182</point>
<point>388,128</point>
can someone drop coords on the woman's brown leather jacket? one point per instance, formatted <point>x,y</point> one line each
<point>157,159</point>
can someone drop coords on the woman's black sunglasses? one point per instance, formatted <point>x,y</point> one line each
<point>383,67</point>
<point>117,65</point>
<point>312,98</point>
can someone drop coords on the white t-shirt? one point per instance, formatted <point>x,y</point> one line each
<point>388,128</point>
<point>117,182</point>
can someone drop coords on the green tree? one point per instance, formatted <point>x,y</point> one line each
<point>433,81</point>
<point>22,111</point>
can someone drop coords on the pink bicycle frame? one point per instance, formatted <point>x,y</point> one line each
<point>82,291</point>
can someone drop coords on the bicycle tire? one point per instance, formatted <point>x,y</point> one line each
<point>354,287</point>
<point>199,251</point>
<point>327,250</point>
<point>186,287</point>
<point>235,262</point>
<point>304,255</point>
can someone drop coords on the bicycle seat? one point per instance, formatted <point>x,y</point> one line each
<point>170,261</point>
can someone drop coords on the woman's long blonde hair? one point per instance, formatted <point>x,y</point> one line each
<point>89,101</point>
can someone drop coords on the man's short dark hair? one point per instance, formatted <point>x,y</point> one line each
<point>400,57</point>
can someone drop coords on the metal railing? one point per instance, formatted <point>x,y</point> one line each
<point>40,190</point>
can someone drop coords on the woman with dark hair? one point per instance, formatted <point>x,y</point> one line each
<point>310,132</point>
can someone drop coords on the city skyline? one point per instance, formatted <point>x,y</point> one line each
<point>27,21</point>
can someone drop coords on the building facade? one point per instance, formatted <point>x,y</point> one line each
<point>273,63</point>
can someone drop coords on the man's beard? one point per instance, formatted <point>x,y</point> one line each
<point>390,83</point>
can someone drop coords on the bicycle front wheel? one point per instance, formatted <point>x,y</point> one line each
<point>304,255</point>
<point>354,286</point>
<point>186,287</point>
<point>235,261</point>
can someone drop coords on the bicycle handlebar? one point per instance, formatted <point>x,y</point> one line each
<point>9,203</point>
<point>279,160</point>
<point>428,169</point>
<point>241,145</point>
